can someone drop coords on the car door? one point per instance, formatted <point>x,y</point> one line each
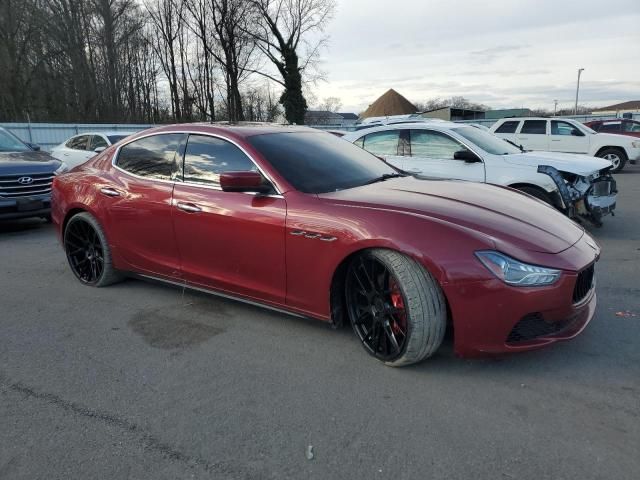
<point>385,144</point>
<point>228,241</point>
<point>533,135</point>
<point>566,137</point>
<point>139,193</point>
<point>431,153</point>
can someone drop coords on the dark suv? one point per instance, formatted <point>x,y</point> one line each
<point>26,175</point>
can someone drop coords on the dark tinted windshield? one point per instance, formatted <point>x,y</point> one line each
<point>10,143</point>
<point>319,162</point>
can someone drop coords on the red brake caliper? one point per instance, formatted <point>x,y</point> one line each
<point>399,324</point>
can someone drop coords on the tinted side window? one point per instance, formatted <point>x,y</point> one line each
<point>430,144</point>
<point>359,142</point>
<point>153,156</point>
<point>631,127</point>
<point>611,127</point>
<point>97,141</point>
<point>508,127</point>
<point>564,128</point>
<point>78,143</point>
<point>382,143</point>
<point>535,127</point>
<point>207,157</point>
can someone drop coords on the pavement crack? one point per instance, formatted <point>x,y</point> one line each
<point>146,439</point>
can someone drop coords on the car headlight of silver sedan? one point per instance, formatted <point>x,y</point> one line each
<point>516,273</point>
<point>61,169</point>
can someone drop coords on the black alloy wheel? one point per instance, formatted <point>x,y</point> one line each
<point>377,308</point>
<point>85,251</point>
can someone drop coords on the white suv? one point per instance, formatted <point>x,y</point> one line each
<point>578,185</point>
<point>570,136</point>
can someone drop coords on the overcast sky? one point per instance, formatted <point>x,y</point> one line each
<point>503,53</point>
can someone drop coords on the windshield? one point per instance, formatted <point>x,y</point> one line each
<point>11,143</point>
<point>487,141</point>
<point>319,162</point>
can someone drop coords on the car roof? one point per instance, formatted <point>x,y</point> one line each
<point>506,119</point>
<point>244,130</point>
<point>108,133</point>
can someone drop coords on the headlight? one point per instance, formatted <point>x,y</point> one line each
<point>636,144</point>
<point>516,273</point>
<point>61,169</point>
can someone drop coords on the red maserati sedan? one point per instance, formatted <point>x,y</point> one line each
<point>303,222</point>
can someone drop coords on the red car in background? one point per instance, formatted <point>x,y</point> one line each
<point>620,126</point>
<point>303,222</point>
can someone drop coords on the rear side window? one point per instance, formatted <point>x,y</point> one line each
<point>508,127</point>
<point>382,143</point>
<point>153,157</point>
<point>611,127</point>
<point>78,143</point>
<point>631,127</point>
<point>207,157</point>
<point>535,127</point>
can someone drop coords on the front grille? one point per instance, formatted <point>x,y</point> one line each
<point>533,325</point>
<point>584,283</point>
<point>10,187</point>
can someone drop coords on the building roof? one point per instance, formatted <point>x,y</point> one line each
<point>321,114</point>
<point>348,116</point>
<point>391,103</point>
<point>631,105</point>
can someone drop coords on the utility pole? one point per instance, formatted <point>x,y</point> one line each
<point>555,107</point>
<point>575,110</point>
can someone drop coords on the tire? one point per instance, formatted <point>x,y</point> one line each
<point>537,193</point>
<point>424,312</point>
<point>89,250</point>
<point>616,156</point>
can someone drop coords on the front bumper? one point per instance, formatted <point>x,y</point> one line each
<point>24,207</point>
<point>491,317</point>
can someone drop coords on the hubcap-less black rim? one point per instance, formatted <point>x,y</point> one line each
<point>377,308</point>
<point>84,251</point>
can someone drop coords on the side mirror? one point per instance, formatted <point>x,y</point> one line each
<point>244,182</point>
<point>99,149</point>
<point>466,155</point>
<point>34,146</point>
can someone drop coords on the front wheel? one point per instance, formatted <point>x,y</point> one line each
<point>397,309</point>
<point>617,157</point>
<point>88,252</point>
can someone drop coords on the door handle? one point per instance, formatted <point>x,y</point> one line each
<point>553,140</point>
<point>110,192</point>
<point>188,207</point>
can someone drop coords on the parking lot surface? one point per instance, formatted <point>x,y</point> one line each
<point>145,381</point>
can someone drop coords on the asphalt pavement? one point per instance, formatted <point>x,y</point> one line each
<point>144,381</point>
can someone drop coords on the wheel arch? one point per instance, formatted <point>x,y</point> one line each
<point>610,147</point>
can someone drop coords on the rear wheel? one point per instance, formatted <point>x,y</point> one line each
<point>615,156</point>
<point>396,308</point>
<point>88,252</point>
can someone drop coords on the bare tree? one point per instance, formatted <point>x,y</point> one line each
<point>330,104</point>
<point>282,36</point>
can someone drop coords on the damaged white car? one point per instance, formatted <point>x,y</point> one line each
<point>578,185</point>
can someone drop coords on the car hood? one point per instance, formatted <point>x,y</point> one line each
<point>583,165</point>
<point>502,214</point>
<point>613,139</point>
<point>27,162</point>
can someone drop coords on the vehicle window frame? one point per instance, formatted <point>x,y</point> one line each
<point>387,130</point>
<point>92,148</point>
<point>174,175</point>
<point>580,132</point>
<point>181,150</point>
<point>86,145</point>
<point>546,128</point>
<point>518,123</point>
<point>444,134</point>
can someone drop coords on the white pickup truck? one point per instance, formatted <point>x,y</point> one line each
<point>568,136</point>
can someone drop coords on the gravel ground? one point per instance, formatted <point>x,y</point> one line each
<point>144,381</point>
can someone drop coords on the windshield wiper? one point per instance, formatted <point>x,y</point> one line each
<point>515,145</point>
<point>384,177</point>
